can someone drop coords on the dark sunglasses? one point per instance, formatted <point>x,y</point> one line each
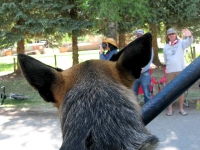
<point>171,34</point>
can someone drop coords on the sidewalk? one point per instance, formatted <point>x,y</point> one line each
<point>177,132</point>
<point>25,129</point>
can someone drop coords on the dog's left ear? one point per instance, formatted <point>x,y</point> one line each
<point>135,55</point>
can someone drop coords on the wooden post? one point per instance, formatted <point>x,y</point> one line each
<point>194,52</point>
<point>55,60</point>
<point>14,64</point>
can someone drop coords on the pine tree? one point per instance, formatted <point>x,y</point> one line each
<point>22,19</point>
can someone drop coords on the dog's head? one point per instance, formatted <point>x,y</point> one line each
<point>95,98</point>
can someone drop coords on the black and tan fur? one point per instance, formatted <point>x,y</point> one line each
<point>98,110</point>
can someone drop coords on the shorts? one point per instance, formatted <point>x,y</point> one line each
<point>171,76</point>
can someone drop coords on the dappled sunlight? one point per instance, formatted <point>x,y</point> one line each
<point>170,137</point>
<point>177,132</point>
<point>30,130</point>
<point>169,148</point>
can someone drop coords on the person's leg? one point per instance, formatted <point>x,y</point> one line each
<point>136,85</point>
<point>198,105</point>
<point>181,101</point>
<point>145,81</point>
<point>169,78</point>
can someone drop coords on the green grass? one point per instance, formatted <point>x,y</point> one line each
<point>6,67</point>
<point>20,86</point>
<point>63,60</point>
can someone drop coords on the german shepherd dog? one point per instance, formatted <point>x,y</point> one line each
<point>97,108</point>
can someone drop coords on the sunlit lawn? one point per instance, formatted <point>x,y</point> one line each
<point>63,60</point>
<point>20,85</point>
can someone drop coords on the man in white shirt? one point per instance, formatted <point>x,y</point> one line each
<point>174,60</point>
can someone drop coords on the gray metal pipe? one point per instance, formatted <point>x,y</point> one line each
<point>171,91</point>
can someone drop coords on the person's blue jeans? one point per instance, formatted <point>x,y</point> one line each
<point>145,81</point>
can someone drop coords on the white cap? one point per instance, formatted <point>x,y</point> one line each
<point>171,30</point>
<point>139,31</point>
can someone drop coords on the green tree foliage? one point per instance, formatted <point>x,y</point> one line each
<point>66,17</point>
<point>170,13</point>
<point>24,19</point>
<point>181,13</point>
<point>174,13</point>
<point>49,19</point>
<point>121,14</point>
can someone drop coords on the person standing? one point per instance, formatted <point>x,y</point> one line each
<point>108,48</point>
<point>145,77</point>
<point>174,60</point>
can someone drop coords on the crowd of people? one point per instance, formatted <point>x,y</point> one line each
<point>173,52</point>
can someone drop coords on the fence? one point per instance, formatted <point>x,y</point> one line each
<point>60,60</point>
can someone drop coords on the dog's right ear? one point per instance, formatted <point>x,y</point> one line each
<point>135,55</point>
<point>39,75</point>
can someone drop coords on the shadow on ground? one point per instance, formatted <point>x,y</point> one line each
<point>29,129</point>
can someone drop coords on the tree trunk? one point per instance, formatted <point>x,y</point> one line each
<point>112,30</point>
<point>20,49</point>
<point>74,15</point>
<point>74,48</point>
<point>153,29</point>
<point>122,39</point>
